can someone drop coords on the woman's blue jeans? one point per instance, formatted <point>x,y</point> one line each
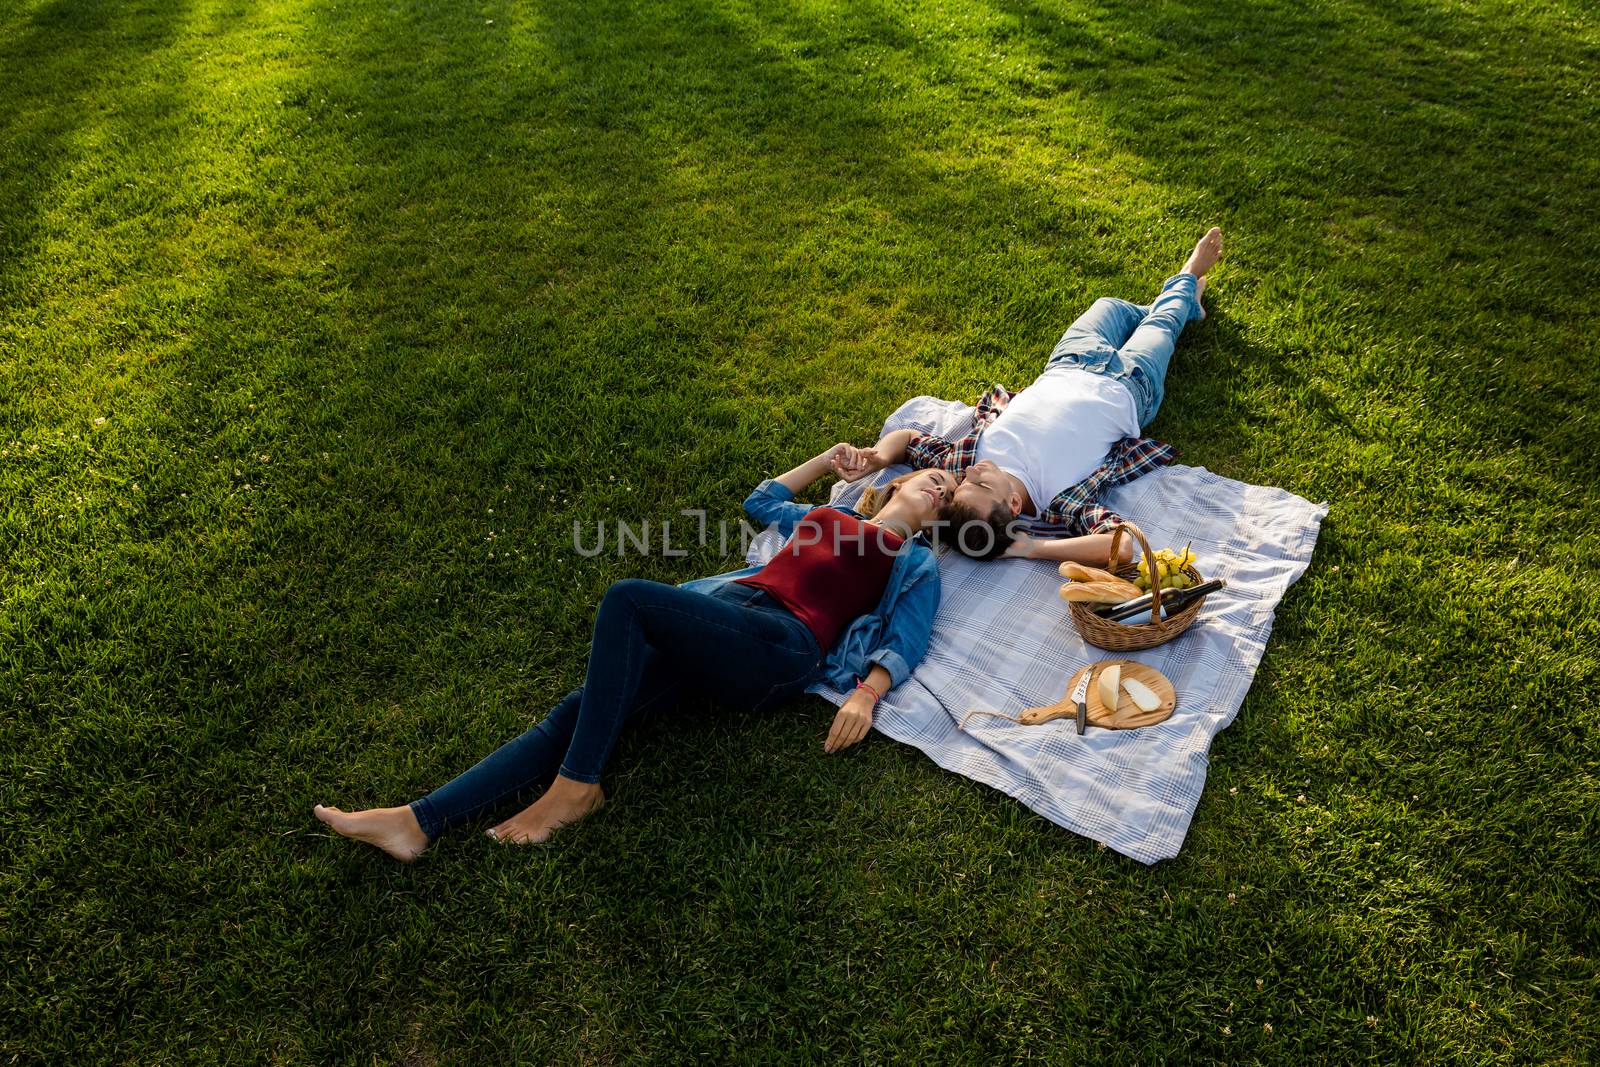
<point>1132,342</point>
<point>653,644</point>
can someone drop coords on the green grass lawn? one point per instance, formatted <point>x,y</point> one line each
<point>321,323</point>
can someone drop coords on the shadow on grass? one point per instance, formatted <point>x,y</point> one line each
<point>55,62</point>
<point>559,247</point>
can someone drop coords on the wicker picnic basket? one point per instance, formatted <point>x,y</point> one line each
<point>1101,632</point>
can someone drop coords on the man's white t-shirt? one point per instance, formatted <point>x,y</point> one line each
<point>1054,433</point>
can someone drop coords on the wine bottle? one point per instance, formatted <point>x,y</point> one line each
<point>1172,600</point>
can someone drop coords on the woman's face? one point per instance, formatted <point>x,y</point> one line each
<point>920,497</point>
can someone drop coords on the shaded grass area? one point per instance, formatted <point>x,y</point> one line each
<point>376,300</point>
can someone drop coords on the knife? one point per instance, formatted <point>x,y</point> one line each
<point>1080,695</point>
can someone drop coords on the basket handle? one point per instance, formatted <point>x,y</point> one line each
<point>1150,561</point>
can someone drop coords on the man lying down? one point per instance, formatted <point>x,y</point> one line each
<point>1036,461</point>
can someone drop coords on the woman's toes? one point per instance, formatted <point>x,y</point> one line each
<point>538,822</point>
<point>509,832</point>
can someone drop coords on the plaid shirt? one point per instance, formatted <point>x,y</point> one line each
<point>1075,510</point>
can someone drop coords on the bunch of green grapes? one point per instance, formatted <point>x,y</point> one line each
<point>1169,569</point>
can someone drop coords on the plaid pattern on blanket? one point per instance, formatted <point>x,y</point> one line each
<point>1002,641</point>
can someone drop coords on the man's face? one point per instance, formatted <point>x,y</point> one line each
<point>983,487</point>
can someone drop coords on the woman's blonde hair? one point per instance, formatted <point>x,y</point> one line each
<point>874,497</point>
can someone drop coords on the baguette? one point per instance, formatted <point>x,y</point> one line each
<point>1079,573</point>
<point>1096,592</point>
<point>1090,576</point>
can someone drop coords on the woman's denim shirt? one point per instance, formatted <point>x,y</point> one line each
<point>895,635</point>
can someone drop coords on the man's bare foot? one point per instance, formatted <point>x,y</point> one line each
<point>395,830</point>
<point>565,802</point>
<point>1205,253</point>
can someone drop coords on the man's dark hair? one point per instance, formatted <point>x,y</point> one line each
<point>974,533</point>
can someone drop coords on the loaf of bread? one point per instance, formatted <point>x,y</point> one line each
<point>1077,572</point>
<point>1113,592</point>
<point>1090,576</point>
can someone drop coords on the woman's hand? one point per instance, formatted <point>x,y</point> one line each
<point>852,464</point>
<point>802,476</point>
<point>852,722</point>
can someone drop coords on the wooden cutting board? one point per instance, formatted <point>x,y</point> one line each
<point>1126,715</point>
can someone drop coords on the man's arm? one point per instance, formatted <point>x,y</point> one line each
<point>1092,550</point>
<point>890,449</point>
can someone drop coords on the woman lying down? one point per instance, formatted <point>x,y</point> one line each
<point>850,601</point>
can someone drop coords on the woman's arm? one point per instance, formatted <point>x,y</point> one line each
<point>901,646</point>
<point>1093,549</point>
<point>854,717</point>
<point>802,476</point>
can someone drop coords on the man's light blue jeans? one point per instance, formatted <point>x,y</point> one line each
<point>1132,342</point>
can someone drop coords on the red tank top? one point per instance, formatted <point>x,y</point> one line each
<point>833,569</point>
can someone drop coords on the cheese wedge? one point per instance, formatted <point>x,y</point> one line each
<point>1110,678</point>
<point>1142,694</point>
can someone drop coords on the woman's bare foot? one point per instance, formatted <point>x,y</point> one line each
<point>565,802</point>
<point>1206,251</point>
<point>395,830</point>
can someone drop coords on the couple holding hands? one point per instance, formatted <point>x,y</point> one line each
<point>850,598</point>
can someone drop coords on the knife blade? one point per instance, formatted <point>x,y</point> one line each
<point>1080,694</point>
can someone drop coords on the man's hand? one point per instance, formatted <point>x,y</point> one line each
<point>852,464</point>
<point>1023,547</point>
<point>851,723</point>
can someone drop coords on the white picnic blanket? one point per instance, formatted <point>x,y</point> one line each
<point>1002,641</point>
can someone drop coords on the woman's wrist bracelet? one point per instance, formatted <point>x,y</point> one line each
<point>876,696</point>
